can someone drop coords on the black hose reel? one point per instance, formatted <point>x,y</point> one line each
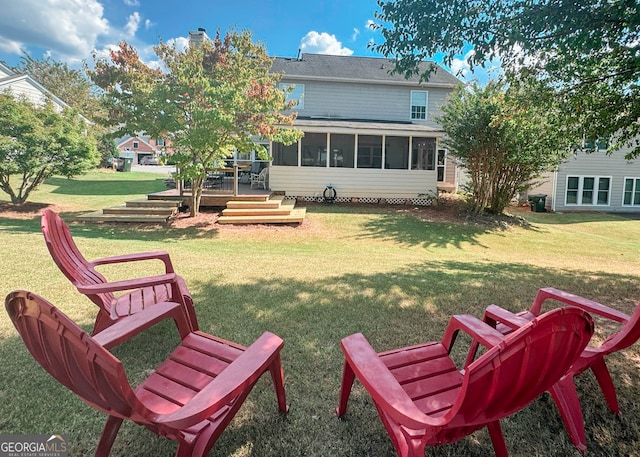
<point>329,194</point>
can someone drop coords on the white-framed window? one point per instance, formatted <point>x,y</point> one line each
<point>296,93</point>
<point>160,142</point>
<point>631,192</point>
<point>419,100</point>
<point>588,190</point>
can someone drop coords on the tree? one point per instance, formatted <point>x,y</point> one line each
<point>584,55</point>
<point>210,100</point>
<point>503,143</point>
<point>37,142</point>
<point>68,84</point>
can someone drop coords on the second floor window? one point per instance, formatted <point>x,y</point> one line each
<point>160,142</point>
<point>419,104</point>
<point>296,93</point>
<point>135,145</point>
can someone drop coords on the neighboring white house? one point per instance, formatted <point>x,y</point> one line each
<point>593,182</point>
<point>369,133</point>
<point>23,85</point>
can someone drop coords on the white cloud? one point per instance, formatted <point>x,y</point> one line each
<point>10,46</point>
<point>66,28</point>
<point>356,32</point>
<point>180,43</point>
<point>148,24</point>
<point>370,24</point>
<point>132,24</point>
<point>323,43</point>
<point>132,2</point>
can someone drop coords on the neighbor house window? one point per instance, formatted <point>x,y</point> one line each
<point>135,145</point>
<point>423,154</point>
<point>343,150</point>
<point>631,196</point>
<point>160,142</point>
<point>296,93</point>
<point>369,151</point>
<point>419,104</point>
<point>285,155</point>
<point>588,190</point>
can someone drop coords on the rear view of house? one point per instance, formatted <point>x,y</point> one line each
<point>369,134</point>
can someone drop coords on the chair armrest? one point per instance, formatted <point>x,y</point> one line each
<point>480,331</point>
<point>550,293</point>
<point>381,384</point>
<point>127,284</point>
<point>240,375</point>
<point>497,315</point>
<point>129,326</point>
<point>140,256</point>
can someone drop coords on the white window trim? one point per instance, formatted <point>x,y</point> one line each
<point>426,105</point>
<point>624,182</point>
<point>581,188</point>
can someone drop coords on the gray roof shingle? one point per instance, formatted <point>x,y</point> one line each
<point>356,68</point>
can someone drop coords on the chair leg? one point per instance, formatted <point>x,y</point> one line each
<point>606,385</point>
<point>108,436</point>
<point>565,395</point>
<point>497,438</point>
<point>277,374</point>
<point>348,377</point>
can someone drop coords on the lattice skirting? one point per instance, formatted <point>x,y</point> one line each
<point>421,201</point>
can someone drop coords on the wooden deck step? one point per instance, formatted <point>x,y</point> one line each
<point>160,211</point>
<point>284,209</point>
<point>295,217</point>
<point>273,202</point>
<point>99,216</point>
<point>146,203</point>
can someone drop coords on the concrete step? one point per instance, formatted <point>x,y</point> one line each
<point>99,216</point>
<point>295,217</point>
<point>160,211</point>
<point>146,203</point>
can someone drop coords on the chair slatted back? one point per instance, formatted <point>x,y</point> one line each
<point>71,356</point>
<point>528,362</point>
<point>71,262</point>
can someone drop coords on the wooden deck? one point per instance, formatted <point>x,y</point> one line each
<point>249,206</point>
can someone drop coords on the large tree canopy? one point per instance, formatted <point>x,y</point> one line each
<point>503,143</point>
<point>584,55</point>
<point>37,142</point>
<point>208,100</point>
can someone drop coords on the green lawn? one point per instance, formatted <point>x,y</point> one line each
<point>347,269</point>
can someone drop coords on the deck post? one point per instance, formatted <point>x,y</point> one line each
<point>235,179</point>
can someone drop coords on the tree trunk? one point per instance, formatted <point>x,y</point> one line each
<point>196,196</point>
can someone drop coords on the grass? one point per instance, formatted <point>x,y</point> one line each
<point>383,273</point>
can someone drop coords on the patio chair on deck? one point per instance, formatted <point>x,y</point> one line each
<point>564,391</point>
<point>260,179</point>
<point>190,398</point>
<point>424,399</point>
<point>138,293</point>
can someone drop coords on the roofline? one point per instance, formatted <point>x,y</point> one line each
<point>286,76</point>
<point>366,127</point>
<point>36,84</point>
<point>136,137</point>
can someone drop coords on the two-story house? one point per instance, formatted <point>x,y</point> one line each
<point>23,85</point>
<point>593,182</point>
<point>139,148</point>
<point>370,134</point>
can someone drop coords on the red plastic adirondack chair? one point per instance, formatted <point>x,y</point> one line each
<point>424,399</point>
<point>140,292</point>
<point>564,392</point>
<point>190,398</point>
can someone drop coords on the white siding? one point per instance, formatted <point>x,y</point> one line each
<point>24,88</point>
<point>352,182</point>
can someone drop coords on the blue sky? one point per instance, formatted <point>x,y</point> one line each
<point>71,30</point>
